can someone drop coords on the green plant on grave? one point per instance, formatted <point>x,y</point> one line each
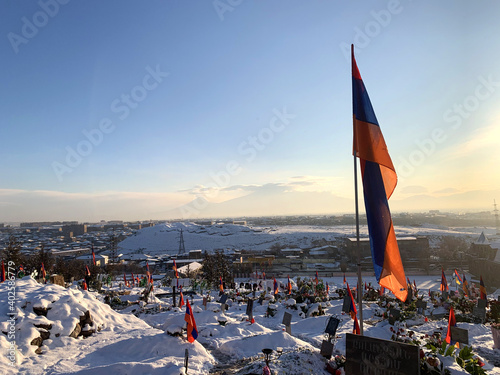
<point>472,364</point>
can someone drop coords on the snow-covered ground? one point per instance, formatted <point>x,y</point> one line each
<point>164,238</point>
<point>135,340</point>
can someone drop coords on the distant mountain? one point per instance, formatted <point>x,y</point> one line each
<point>274,202</point>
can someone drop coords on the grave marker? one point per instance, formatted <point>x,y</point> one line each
<point>249,311</point>
<point>394,315</point>
<point>346,306</point>
<point>459,335</point>
<point>368,355</point>
<point>331,327</point>
<point>287,319</point>
<point>326,349</point>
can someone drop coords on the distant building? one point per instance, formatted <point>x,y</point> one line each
<point>239,222</point>
<point>100,260</point>
<point>481,248</point>
<point>74,230</point>
<point>414,251</point>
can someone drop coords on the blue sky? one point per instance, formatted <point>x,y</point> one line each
<point>230,70</point>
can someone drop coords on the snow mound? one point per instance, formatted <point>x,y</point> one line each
<point>48,340</point>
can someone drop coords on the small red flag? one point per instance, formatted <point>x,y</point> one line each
<point>181,302</point>
<point>192,331</point>
<point>93,255</point>
<point>221,285</point>
<point>482,288</point>
<point>451,323</point>
<point>356,330</point>
<point>352,307</point>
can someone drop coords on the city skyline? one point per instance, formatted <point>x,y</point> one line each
<point>130,111</point>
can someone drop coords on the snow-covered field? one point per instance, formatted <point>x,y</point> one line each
<point>164,238</point>
<point>135,340</point>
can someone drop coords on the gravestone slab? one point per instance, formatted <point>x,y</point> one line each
<point>459,335</point>
<point>368,355</point>
<point>331,327</point>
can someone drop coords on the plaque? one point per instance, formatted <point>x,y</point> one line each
<point>287,318</point>
<point>223,299</point>
<point>331,327</point>
<point>421,304</point>
<point>368,355</point>
<point>346,307</point>
<point>459,335</point>
<point>326,349</point>
<point>479,312</point>
<point>394,315</point>
<point>249,307</point>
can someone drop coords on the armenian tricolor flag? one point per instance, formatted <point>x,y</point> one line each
<point>317,278</point>
<point>181,301</point>
<point>275,286</point>
<point>192,331</point>
<point>452,322</point>
<point>221,285</point>
<point>2,274</point>
<point>356,330</point>
<point>444,282</point>
<point>352,307</point>
<point>482,289</point>
<point>175,270</point>
<point>327,288</point>
<point>458,279</point>
<point>344,279</point>
<point>87,271</point>
<point>289,286</point>
<point>379,180</point>
<point>93,255</point>
<point>43,272</point>
<point>465,286</point>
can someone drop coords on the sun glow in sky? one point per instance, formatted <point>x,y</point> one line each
<point>168,109</point>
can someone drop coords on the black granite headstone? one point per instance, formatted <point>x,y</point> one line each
<point>368,355</point>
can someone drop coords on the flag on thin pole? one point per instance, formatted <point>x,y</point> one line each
<point>482,288</point>
<point>84,285</point>
<point>43,272</point>
<point>317,279</point>
<point>381,291</point>
<point>275,286</point>
<point>133,279</point>
<point>2,275</point>
<point>458,279</point>
<point>327,288</point>
<point>379,180</point>
<point>465,286</point>
<point>356,329</point>
<point>352,307</point>
<point>87,271</point>
<point>444,282</point>
<point>93,255</point>
<point>344,278</point>
<point>181,302</point>
<point>221,285</point>
<point>175,270</point>
<point>451,323</point>
<point>192,331</point>
<point>125,279</point>
<point>289,286</point>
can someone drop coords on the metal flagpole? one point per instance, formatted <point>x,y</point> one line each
<point>358,246</point>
